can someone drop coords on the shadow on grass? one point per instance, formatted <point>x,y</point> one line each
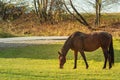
<point>50,51</point>
<point>41,51</point>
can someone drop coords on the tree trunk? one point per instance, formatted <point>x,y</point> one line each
<point>98,12</point>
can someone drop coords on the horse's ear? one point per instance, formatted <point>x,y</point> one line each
<point>59,53</point>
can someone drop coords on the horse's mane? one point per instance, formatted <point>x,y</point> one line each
<point>68,41</point>
<point>66,45</point>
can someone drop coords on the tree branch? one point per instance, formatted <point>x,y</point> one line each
<point>81,17</point>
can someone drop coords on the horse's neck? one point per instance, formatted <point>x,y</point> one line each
<point>65,50</point>
<point>66,47</point>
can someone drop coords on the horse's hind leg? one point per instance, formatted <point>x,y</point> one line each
<point>109,58</point>
<point>84,57</point>
<point>106,57</point>
<point>75,59</point>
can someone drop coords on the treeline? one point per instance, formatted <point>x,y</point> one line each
<point>52,11</point>
<point>9,11</point>
<point>46,10</point>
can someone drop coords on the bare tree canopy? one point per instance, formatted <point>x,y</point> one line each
<point>48,10</point>
<point>98,6</point>
<point>53,11</point>
<point>77,15</point>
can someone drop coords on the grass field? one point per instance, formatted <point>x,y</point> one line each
<point>41,63</point>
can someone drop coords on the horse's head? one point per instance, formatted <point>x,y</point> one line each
<point>62,60</point>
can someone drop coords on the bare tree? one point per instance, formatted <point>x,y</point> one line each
<point>41,9</point>
<point>78,16</point>
<point>47,10</point>
<point>100,5</point>
<point>98,12</point>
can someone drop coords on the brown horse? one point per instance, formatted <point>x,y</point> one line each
<point>80,42</point>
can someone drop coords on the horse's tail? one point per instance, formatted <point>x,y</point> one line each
<point>111,51</point>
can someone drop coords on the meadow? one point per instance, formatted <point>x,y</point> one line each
<point>41,63</point>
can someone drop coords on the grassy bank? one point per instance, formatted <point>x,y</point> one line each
<point>30,26</point>
<point>41,63</point>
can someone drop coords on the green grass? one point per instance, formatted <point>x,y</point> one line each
<point>41,63</point>
<point>6,35</point>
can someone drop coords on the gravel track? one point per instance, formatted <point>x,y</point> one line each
<point>27,41</point>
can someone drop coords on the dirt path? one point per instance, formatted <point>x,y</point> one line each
<point>27,41</point>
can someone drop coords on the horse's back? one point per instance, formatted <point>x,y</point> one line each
<point>90,42</point>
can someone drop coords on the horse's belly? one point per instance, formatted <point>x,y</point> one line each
<point>91,48</point>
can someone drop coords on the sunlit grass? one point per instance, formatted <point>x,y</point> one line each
<point>48,69</point>
<point>41,63</point>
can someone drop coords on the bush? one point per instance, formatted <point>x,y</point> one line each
<point>11,11</point>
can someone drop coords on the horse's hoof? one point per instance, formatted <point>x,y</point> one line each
<point>110,67</point>
<point>104,67</point>
<point>87,67</point>
<point>61,67</point>
<point>74,68</point>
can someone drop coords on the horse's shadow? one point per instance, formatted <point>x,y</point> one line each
<point>17,51</point>
<point>96,55</point>
<point>99,57</point>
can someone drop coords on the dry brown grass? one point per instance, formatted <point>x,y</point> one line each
<point>28,25</point>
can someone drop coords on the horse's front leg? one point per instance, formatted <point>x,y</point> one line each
<point>84,57</point>
<point>75,59</point>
